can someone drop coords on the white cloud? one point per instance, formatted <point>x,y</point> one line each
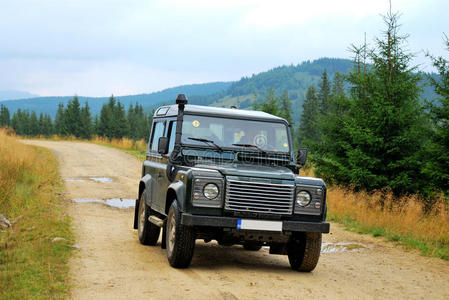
<point>109,46</point>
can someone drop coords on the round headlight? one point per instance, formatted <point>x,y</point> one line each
<point>303,198</point>
<point>210,191</point>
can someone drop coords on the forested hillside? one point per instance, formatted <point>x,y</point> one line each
<point>293,79</point>
<point>49,105</point>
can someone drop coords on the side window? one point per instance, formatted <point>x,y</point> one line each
<point>158,131</point>
<point>172,135</point>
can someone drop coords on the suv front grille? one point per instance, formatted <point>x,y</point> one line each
<point>259,197</point>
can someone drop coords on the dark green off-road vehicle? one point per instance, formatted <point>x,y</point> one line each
<point>228,175</point>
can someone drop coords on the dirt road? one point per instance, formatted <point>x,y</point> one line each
<point>111,264</point>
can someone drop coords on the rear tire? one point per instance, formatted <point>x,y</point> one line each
<point>251,246</point>
<point>304,251</point>
<point>180,239</point>
<point>147,232</point>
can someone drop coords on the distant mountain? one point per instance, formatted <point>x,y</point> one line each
<point>10,95</point>
<point>295,79</point>
<point>49,105</point>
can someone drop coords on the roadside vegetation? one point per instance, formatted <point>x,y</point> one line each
<point>402,220</point>
<point>35,250</point>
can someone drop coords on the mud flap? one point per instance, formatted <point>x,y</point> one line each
<point>164,233</point>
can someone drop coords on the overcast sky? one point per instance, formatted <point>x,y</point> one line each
<point>103,47</point>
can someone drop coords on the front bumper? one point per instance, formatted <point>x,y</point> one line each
<point>228,222</point>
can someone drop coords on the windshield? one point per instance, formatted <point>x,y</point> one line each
<point>226,132</point>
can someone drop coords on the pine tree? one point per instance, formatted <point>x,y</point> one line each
<point>338,102</point>
<point>96,125</point>
<point>60,125</point>
<point>132,122</point>
<point>105,125</point>
<point>15,123</point>
<point>332,138</point>
<point>142,129</point>
<point>437,165</point>
<point>86,122</point>
<point>137,122</point>
<point>269,105</point>
<point>256,99</point>
<point>285,110</point>
<point>41,124</point>
<point>47,126</point>
<point>308,131</point>
<point>149,123</point>
<point>338,86</point>
<point>324,93</point>
<point>121,123</point>
<point>33,129</point>
<point>376,144</point>
<point>4,116</point>
<point>72,117</point>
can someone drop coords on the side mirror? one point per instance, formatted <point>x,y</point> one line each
<point>162,146</point>
<point>302,156</point>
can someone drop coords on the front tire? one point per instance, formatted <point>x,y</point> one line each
<point>148,232</point>
<point>180,239</point>
<point>304,251</point>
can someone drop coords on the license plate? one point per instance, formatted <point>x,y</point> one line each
<point>259,225</point>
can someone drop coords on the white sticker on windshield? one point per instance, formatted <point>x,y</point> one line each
<point>260,140</point>
<point>196,123</point>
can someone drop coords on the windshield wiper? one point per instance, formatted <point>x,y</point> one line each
<point>251,146</point>
<point>208,142</point>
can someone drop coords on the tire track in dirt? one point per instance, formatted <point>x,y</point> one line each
<point>111,264</point>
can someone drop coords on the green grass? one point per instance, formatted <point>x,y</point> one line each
<point>429,248</point>
<point>31,265</point>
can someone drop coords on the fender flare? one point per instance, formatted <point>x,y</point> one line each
<point>176,189</point>
<point>143,184</point>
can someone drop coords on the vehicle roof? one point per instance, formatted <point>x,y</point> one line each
<point>172,110</point>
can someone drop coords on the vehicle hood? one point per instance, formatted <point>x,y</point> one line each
<point>275,172</point>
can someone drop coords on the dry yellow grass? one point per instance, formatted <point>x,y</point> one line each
<point>14,158</point>
<point>403,220</point>
<point>124,143</point>
<point>401,217</point>
<point>31,265</point>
